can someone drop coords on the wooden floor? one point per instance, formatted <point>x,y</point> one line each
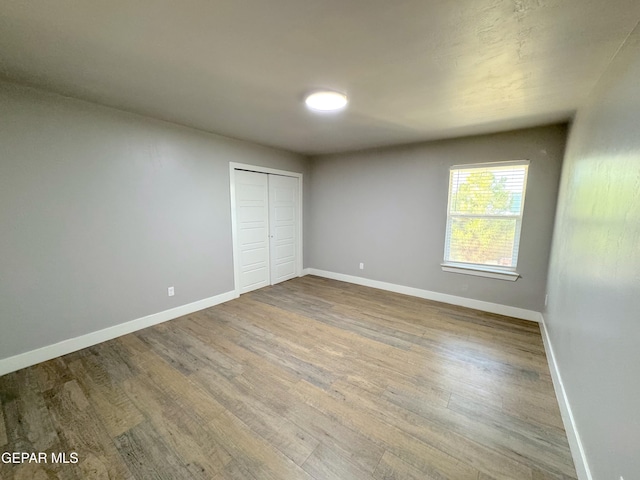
<point>308,379</point>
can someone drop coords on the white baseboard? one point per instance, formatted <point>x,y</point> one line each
<point>64,347</point>
<point>577,450</point>
<point>429,295</point>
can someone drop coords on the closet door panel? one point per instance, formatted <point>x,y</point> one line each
<point>283,226</point>
<point>252,217</point>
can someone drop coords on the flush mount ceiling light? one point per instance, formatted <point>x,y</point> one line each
<point>326,101</point>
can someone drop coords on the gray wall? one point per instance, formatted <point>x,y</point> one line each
<point>102,210</point>
<point>594,279</point>
<point>387,208</point>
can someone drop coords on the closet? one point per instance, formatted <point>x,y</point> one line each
<point>266,223</point>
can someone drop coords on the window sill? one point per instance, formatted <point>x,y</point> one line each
<point>480,271</point>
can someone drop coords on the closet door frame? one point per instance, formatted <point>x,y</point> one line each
<point>233,166</point>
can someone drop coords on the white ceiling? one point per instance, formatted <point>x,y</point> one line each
<point>413,69</point>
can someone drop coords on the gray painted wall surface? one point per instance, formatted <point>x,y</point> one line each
<point>387,208</point>
<point>102,210</point>
<point>593,316</point>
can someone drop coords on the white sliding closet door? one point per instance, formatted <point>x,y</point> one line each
<point>283,226</point>
<point>252,224</point>
<point>267,228</point>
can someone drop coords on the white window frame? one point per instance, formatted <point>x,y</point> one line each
<point>482,270</point>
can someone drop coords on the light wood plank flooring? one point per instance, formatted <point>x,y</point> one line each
<point>308,379</point>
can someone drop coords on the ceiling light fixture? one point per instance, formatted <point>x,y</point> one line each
<point>326,101</point>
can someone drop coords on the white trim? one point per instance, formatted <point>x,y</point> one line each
<point>507,163</point>
<point>575,444</point>
<point>234,229</point>
<point>233,166</point>
<point>23,360</point>
<point>479,271</point>
<point>305,271</point>
<point>507,310</point>
<point>256,168</point>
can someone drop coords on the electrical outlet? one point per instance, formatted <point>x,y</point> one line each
<point>171,291</point>
<point>546,302</point>
<point>361,266</point>
<point>621,477</point>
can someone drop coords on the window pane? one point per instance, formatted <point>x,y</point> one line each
<point>487,191</point>
<point>485,241</point>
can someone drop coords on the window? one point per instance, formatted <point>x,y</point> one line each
<point>484,218</point>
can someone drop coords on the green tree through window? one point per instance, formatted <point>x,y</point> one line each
<point>485,211</point>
